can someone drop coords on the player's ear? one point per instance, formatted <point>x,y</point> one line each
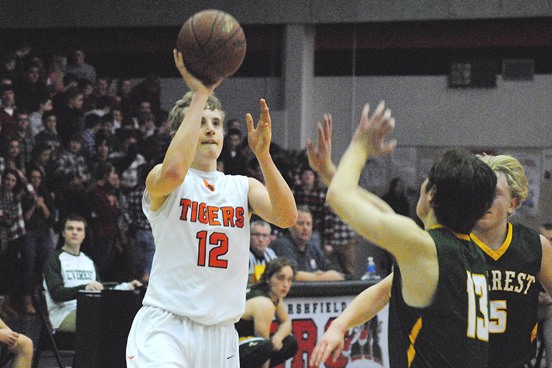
<point>431,196</point>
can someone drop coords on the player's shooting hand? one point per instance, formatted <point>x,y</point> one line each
<point>259,137</point>
<point>330,343</point>
<point>320,155</point>
<point>373,131</point>
<point>192,82</point>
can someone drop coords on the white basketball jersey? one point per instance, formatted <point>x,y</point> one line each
<point>201,234</point>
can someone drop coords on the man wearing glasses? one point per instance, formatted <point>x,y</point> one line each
<point>259,252</point>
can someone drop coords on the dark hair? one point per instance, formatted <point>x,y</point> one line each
<point>47,114</point>
<point>233,131</point>
<point>74,217</point>
<point>464,189</point>
<point>102,170</point>
<point>272,268</point>
<point>92,120</point>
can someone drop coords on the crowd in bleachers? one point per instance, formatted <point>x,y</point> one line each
<point>74,140</point>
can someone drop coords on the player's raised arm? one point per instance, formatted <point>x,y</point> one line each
<point>320,160</point>
<point>167,176</point>
<point>388,230</point>
<point>273,201</point>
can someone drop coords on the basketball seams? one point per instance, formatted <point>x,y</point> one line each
<point>213,44</point>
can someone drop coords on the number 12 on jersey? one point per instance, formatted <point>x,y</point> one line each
<point>218,244</point>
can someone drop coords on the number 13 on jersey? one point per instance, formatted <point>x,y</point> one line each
<point>478,324</point>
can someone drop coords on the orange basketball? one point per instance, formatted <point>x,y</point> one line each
<point>213,44</point>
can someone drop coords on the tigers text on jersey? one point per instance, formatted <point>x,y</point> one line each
<point>513,296</point>
<point>201,234</point>
<point>454,330</point>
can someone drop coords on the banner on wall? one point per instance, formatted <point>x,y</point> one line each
<point>364,346</point>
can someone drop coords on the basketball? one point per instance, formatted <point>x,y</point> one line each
<point>213,44</point>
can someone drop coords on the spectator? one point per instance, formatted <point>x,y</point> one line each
<point>13,158</point>
<point>13,240</point>
<point>23,134</point>
<point>140,228</point>
<point>92,124</point>
<point>259,252</point>
<point>298,246</point>
<point>49,135</point>
<point>127,160</point>
<point>7,94</point>
<point>309,193</point>
<point>264,303</point>
<point>71,177</point>
<point>104,211</point>
<point>70,118</point>
<point>31,90</point>
<point>124,87</point>
<point>234,161</point>
<point>56,74</point>
<point>35,119</point>
<point>60,282</point>
<point>38,213</point>
<point>20,345</point>
<point>80,68</point>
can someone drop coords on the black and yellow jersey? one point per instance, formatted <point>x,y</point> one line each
<point>453,330</point>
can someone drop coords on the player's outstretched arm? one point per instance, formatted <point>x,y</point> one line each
<point>273,201</point>
<point>168,175</point>
<point>413,248</point>
<point>362,309</point>
<point>320,160</point>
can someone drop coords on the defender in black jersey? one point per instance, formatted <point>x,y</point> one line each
<point>441,281</point>
<point>519,261</point>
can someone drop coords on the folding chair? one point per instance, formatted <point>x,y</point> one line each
<point>56,342</point>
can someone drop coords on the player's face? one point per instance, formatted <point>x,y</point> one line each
<point>280,282</point>
<point>502,207</point>
<point>302,230</point>
<point>260,239</point>
<point>212,134</point>
<point>74,233</point>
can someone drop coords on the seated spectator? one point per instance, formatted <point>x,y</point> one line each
<point>7,95</point>
<point>80,68</point>
<point>49,135</point>
<point>31,89</point>
<point>308,259</point>
<point>69,270</point>
<point>259,252</point>
<point>264,303</point>
<point>35,119</point>
<point>18,344</point>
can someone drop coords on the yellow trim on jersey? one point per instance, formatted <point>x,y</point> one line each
<point>458,235</point>
<point>534,332</point>
<point>495,254</point>
<point>412,336</point>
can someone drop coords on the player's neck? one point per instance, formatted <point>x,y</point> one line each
<point>71,249</point>
<point>493,237</point>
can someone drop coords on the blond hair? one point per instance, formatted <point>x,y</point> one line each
<point>514,173</point>
<point>177,113</point>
